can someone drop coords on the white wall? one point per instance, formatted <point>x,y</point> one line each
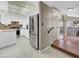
<point>46,20</point>
<point>49,17</point>
<point>4,5</point>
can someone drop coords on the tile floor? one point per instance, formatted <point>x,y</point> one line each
<point>22,49</point>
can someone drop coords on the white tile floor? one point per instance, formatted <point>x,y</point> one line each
<point>22,49</point>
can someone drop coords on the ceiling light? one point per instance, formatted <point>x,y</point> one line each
<point>70,9</point>
<point>78,24</point>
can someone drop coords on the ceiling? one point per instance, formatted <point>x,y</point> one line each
<point>21,7</point>
<point>30,7</point>
<point>64,5</point>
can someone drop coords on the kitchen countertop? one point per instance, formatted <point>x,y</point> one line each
<point>7,30</point>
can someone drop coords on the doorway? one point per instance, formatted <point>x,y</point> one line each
<point>58,30</point>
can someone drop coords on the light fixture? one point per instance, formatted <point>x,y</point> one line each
<point>78,24</point>
<point>70,9</point>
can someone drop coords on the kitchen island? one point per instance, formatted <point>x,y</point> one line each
<point>7,37</point>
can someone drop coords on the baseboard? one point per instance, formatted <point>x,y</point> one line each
<point>41,51</point>
<point>8,46</point>
<point>24,37</point>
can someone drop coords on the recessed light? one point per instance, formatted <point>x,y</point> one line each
<point>78,24</point>
<point>70,9</point>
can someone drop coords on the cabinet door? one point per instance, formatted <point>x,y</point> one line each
<point>24,32</point>
<point>7,38</point>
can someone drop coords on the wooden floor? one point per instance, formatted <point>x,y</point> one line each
<point>68,45</point>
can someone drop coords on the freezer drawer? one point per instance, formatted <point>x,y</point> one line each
<point>34,41</point>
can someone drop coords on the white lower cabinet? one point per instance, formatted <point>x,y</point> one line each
<point>24,32</point>
<point>7,38</point>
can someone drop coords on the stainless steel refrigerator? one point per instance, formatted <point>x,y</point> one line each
<point>34,31</point>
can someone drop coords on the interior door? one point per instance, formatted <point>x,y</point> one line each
<point>56,24</point>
